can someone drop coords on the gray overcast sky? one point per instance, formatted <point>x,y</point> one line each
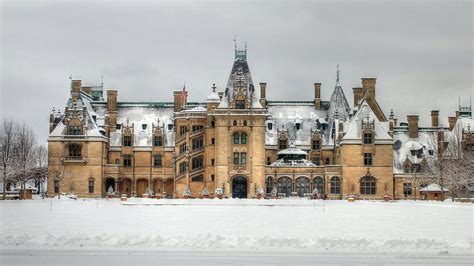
<point>420,52</point>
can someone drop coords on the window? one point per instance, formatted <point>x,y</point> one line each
<point>234,123</point>
<point>213,162</point>
<point>183,148</point>
<point>302,186</point>
<point>236,158</point>
<point>367,185</point>
<point>268,185</point>
<point>316,144</point>
<point>127,160</point>
<point>157,160</point>
<point>245,123</point>
<point>213,123</point>
<point>282,144</point>
<point>197,162</point>
<point>56,186</point>
<point>91,186</point>
<point>415,168</point>
<point>268,161</point>
<point>431,152</point>
<point>197,143</point>
<point>319,184</point>
<point>236,138</point>
<point>170,126</point>
<point>243,138</point>
<point>269,126</point>
<point>298,126</point>
<point>183,167</point>
<point>407,189</point>
<point>118,126</point>
<point>182,130</point>
<point>198,178</point>
<point>74,130</point>
<point>127,141</point>
<point>335,183</point>
<point>316,160</point>
<point>197,127</point>
<point>144,126</point>
<point>368,138</point>
<point>74,150</point>
<point>213,178</point>
<point>117,161</point>
<point>239,104</point>
<point>284,186</point>
<point>213,141</point>
<point>158,141</point>
<point>328,161</point>
<point>243,158</point>
<point>367,159</point>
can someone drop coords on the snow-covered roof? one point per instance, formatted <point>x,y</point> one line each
<point>213,98</point>
<point>433,188</point>
<point>293,163</point>
<point>423,148</point>
<point>292,150</point>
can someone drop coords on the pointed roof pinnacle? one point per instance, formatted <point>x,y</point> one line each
<point>337,76</point>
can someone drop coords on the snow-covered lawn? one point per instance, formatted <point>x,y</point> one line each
<point>231,224</point>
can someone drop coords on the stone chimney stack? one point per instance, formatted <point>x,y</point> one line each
<point>263,94</point>
<point>412,126</point>
<point>368,85</point>
<point>112,108</point>
<point>317,95</point>
<point>178,100</point>
<point>357,96</point>
<point>75,89</point>
<point>435,118</point>
<point>452,121</point>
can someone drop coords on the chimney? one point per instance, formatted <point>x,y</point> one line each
<point>368,85</point>
<point>357,96</point>
<point>112,108</point>
<point>435,118</point>
<point>51,121</point>
<point>317,95</point>
<point>263,94</point>
<point>452,121</point>
<point>75,89</point>
<point>178,102</point>
<point>412,126</point>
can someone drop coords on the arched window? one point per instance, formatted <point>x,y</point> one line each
<point>243,138</point>
<point>245,123</point>
<point>284,186</point>
<point>234,123</point>
<point>319,184</point>
<point>302,186</point>
<point>335,185</point>
<point>240,104</point>
<point>74,150</point>
<point>368,185</point>
<point>268,185</point>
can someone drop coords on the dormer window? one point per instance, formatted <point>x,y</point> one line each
<point>316,144</point>
<point>144,126</point>
<point>118,126</point>
<point>240,104</point>
<point>127,141</point>
<point>170,126</point>
<point>298,126</point>
<point>431,152</point>
<point>94,118</point>
<point>282,144</point>
<point>368,138</point>
<point>270,126</point>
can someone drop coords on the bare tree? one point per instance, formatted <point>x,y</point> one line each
<point>24,148</point>
<point>39,172</point>
<point>8,134</point>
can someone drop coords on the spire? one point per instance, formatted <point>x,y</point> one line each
<point>337,76</point>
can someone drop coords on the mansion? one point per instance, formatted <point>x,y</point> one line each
<point>240,143</point>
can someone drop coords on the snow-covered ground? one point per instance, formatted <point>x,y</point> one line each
<point>282,226</point>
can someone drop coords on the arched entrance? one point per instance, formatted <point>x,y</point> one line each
<point>319,185</point>
<point>239,187</point>
<point>302,186</point>
<point>125,187</point>
<point>142,185</point>
<point>284,185</point>
<point>109,183</point>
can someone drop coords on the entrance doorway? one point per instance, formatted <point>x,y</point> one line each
<point>142,185</point>
<point>239,187</point>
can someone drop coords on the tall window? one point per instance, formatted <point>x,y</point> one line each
<point>158,141</point>
<point>268,161</point>
<point>269,126</point>
<point>240,104</point>
<point>213,141</point>
<point>74,150</point>
<point>127,141</point>
<point>127,160</point>
<point>183,167</point>
<point>335,183</point>
<point>157,160</point>
<point>197,143</point>
<point>284,186</point>
<point>243,158</point>
<point>319,184</point>
<point>91,186</point>
<point>183,130</point>
<point>183,148</point>
<point>302,186</point>
<point>316,144</point>
<point>213,161</point>
<point>236,138</point>
<point>368,138</point>
<point>236,158</point>
<point>74,130</point>
<point>197,162</point>
<point>367,185</point>
<point>243,138</point>
<point>268,185</point>
<point>367,159</point>
<point>407,189</point>
<point>282,144</point>
<point>56,186</point>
